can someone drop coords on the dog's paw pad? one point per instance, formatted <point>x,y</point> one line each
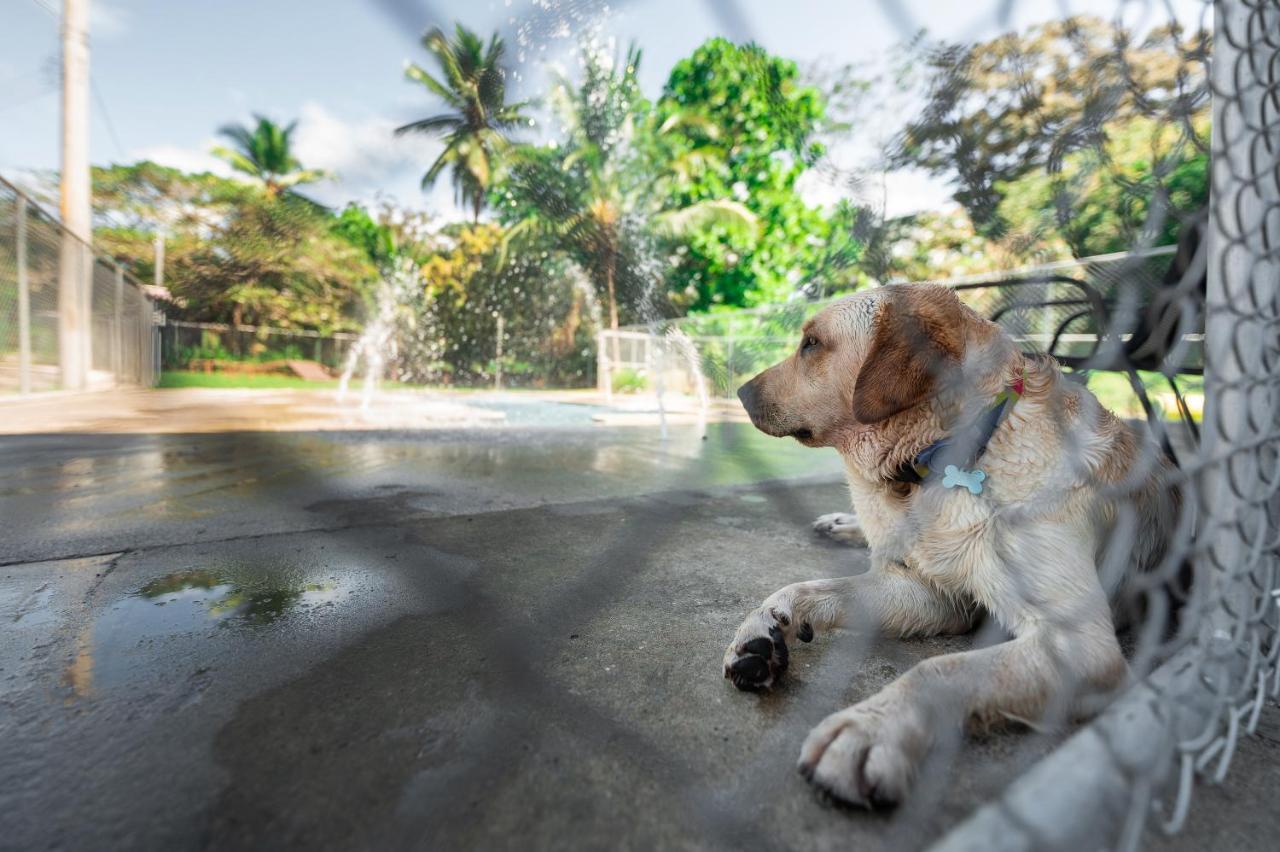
<point>840,526</point>
<point>755,665</point>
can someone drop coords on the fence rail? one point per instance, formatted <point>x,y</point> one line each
<point>1044,307</point>
<point>184,345</point>
<point>54,286</point>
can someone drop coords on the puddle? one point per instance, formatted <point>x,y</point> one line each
<point>194,604</point>
<point>540,412</point>
<point>258,601</point>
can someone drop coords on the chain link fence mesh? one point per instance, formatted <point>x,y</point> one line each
<point>1203,656</point>
<point>123,345</point>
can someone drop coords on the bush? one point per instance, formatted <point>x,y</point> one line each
<point>629,381</point>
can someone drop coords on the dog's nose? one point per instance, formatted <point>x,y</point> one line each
<point>747,393</point>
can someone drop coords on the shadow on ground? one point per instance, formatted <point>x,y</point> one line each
<point>394,640</point>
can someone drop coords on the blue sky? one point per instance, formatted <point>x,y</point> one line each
<point>168,73</point>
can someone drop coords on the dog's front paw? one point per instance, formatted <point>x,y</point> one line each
<point>758,654</point>
<point>842,527</point>
<point>866,755</point>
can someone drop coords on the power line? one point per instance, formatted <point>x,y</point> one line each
<point>106,117</point>
<point>93,85</point>
<point>43,4</point>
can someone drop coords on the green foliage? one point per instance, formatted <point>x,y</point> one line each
<point>737,124</point>
<point>212,349</point>
<point>584,198</point>
<point>265,154</point>
<point>930,246</point>
<point>468,284</point>
<point>1022,103</point>
<point>1102,200</point>
<point>629,381</point>
<point>475,132</point>
<point>377,240</point>
<point>234,252</point>
<point>706,181</point>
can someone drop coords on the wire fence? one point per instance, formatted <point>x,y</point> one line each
<point>210,347</point>
<point>54,288</point>
<point>1202,654</point>
<point>1059,308</point>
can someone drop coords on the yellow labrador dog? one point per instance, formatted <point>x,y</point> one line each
<point>983,482</point>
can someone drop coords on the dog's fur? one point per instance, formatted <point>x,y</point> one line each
<point>879,376</point>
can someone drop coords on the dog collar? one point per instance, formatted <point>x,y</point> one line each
<point>952,460</point>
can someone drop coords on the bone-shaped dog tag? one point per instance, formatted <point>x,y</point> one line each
<point>971,479</point>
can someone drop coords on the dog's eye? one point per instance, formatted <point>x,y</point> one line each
<point>809,344</point>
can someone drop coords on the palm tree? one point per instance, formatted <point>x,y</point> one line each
<point>265,153</point>
<point>592,197</point>
<point>474,87</point>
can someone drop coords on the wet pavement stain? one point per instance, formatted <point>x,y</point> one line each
<point>185,605</point>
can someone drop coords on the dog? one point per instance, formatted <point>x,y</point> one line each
<point>986,484</point>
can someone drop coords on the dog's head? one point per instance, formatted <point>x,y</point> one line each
<point>865,359</point>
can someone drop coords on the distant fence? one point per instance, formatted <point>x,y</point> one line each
<point>188,345</point>
<point>1047,308</point>
<point>122,344</point>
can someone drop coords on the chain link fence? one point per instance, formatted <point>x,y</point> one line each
<point>1061,308</point>
<point>1203,656</point>
<point>207,346</point>
<point>38,259</point>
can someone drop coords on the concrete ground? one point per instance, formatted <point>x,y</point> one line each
<point>490,636</point>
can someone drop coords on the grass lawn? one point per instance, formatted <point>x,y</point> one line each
<point>1114,392</point>
<point>1112,389</point>
<point>189,379</point>
<point>272,381</point>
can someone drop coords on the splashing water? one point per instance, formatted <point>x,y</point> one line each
<point>378,343</point>
<point>685,345</point>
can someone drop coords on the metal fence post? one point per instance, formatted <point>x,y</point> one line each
<point>117,335</point>
<point>604,376</point>
<point>88,271</point>
<point>24,300</point>
<point>497,376</point>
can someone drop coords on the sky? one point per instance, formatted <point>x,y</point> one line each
<point>168,73</point>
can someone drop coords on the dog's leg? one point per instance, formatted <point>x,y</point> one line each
<point>889,599</point>
<point>842,527</point>
<point>1064,655</point>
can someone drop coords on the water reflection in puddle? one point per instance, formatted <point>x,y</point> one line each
<point>259,601</point>
<point>193,604</point>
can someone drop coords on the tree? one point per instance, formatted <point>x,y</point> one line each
<point>235,252</point>
<point>474,88</point>
<point>1003,108</point>
<point>597,196</point>
<point>468,284</point>
<point>576,196</point>
<point>1138,189</point>
<point>739,128</point>
<point>265,153</point>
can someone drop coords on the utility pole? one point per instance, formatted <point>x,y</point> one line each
<point>75,258</point>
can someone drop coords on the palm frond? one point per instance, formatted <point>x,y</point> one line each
<point>236,160</point>
<point>704,215</point>
<point>434,125</point>
<point>418,74</point>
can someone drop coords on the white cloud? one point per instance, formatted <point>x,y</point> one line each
<point>366,156</point>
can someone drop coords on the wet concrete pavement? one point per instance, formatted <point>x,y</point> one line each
<point>482,638</point>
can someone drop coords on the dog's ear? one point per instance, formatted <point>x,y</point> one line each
<point>918,339</point>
